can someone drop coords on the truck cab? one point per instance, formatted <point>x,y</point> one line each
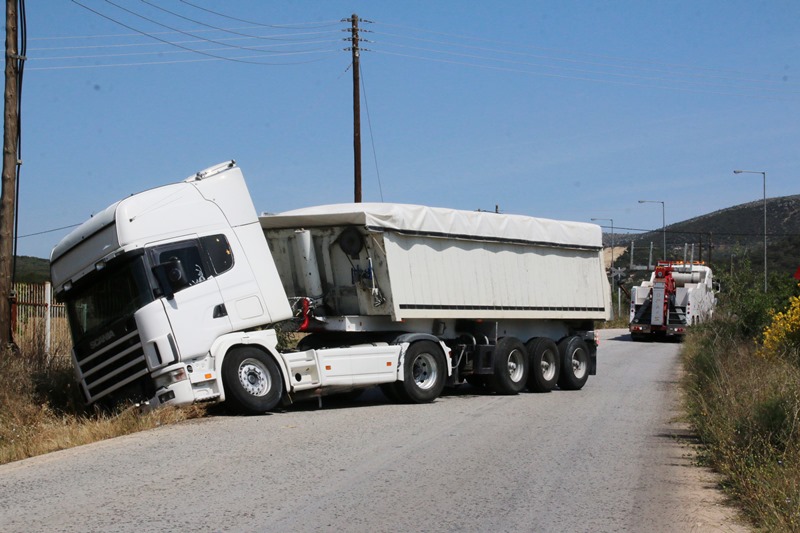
<point>154,281</point>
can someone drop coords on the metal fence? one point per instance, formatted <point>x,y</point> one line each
<point>38,322</point>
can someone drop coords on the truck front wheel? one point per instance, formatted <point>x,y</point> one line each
<point>424,373</point>
<point>574,363</point>
<point>511,365</point>
<point>252,381</point>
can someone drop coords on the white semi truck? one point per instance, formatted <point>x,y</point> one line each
<point>174,296</point>
<point>677,296</point>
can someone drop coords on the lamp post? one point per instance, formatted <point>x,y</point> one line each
<point>764,176</point>
<point>663,221</point>
<point>611,268</point>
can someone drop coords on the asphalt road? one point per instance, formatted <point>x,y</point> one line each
<point>601,459</point>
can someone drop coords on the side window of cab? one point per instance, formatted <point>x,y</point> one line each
<point>219,252</point>
<point>182,264</point>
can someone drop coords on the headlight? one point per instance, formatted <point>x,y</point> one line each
<point>173,376</point>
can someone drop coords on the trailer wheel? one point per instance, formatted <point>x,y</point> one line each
<point>511,365</point>
<point>545,367</point>
<point>574,363</point>
<point>424,372</point>
<point>252,380</point>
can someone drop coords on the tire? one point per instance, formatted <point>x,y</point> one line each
<point>511,365</point>
<point>639,337</point>
<point>574,363</point>
<point>252,380</point>
<point>545,364</point>
<point>424,373</point>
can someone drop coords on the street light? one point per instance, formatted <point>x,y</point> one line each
<point>663,221</point>
<point>763,175</point>
<point>611,268</point>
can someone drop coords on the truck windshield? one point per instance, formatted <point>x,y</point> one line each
<point>112,294</point>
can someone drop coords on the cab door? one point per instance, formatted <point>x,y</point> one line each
<point>190,295</point>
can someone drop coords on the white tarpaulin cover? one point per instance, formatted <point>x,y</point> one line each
<point>440,221</point>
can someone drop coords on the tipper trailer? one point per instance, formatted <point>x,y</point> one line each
<point>174,296</point>
<point>678,295</point>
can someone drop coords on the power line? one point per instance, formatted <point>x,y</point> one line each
<point>572,69</point>
<point>161,53</point>
<point>515,52</point>
<point>207,25</point>
<point>235,60</point>
<point>562,51</point>
<point>152,21</point>
<point>49,231</point>
<point>283,26</point>
<point>371,137</point>
<point>583,78</point>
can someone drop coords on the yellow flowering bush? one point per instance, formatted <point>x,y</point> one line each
<point>782,334</point>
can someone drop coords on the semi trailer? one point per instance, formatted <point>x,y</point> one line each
<point>178,295</point>
<point>677,296</point>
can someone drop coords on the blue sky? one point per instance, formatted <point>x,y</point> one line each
<point>557,109</point>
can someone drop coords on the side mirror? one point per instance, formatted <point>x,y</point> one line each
<point>171,277</point>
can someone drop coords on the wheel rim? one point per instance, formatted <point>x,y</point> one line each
<point>579,366</point>
<point>548,365</point>
<point>254,377</point>
<point>424,370</point>
<point>516,365</point>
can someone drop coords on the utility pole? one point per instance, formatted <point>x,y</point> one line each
<point>7,200</point>
<point>356,109</point>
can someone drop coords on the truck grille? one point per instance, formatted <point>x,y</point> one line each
<point>112,367</point>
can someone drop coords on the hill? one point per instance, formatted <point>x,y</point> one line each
<point>32,269</point>
<point>727,234</point>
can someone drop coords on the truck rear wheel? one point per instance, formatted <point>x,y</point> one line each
<point>511,365</point>
<point>424,373</point>
<point>574,363</point>
<point>252,381</point>
<point>544,357</point>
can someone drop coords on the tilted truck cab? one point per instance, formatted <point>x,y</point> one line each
<point>173,296</point>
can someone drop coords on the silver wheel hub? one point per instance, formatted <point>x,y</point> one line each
<point>254,377</point>
<point>516,365</point>
<point>548,365</point>
<point>578,364</point>
<point>424,371</point>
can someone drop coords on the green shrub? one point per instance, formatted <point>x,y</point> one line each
<point>745,404</point>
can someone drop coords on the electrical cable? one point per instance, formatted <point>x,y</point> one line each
<point>209,25</point>
<point>584,78</point>
<point>323,24</point>
<point>371,137</point>
<point>566,60</point>
<point>562,51</point>
<point>235,60</point>
<point>152,21</point>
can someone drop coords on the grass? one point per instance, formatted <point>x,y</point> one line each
<point>745,406</point>
<point>41,410</point>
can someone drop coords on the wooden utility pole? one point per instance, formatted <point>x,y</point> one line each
<point>7,200</point>
<point>356,110</point>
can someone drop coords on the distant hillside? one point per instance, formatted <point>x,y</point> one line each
<point>733,232</point>
<point>32,270</point>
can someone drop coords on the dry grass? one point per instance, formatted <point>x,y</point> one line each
<point>746,409</point>
<point>41,410</point>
